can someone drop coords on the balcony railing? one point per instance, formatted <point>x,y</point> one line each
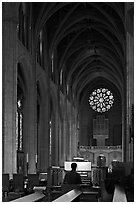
<point>118,147</point>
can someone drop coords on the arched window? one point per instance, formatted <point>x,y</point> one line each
<point>19,113</point>
<point>19,119</point>
<point>40,49</point>
<point>61,77</point>
<point>67,89</point>
<point>52,67</point>
<point>19,126</point>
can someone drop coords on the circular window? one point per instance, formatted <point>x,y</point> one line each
<point>101,100</point>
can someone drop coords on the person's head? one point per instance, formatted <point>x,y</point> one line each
<point>73,166</point>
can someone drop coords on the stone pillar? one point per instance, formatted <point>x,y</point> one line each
<point>43,139</point>
<point>64,140</point>
<point>9,84</point>
<point>74,143</point>
<point>65,144</point>
<point>54,140</point>
<point>76,133</point>
<point>60,160</point>
<point>56,135</point>
<point>62,144</point>
<point>29,124</point>
<point>73,133</point>
<point>70,136</point>
<point>123,129</point>
<point>130,88</point>
<point>129,72</point>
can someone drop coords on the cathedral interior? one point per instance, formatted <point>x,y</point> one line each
<point>67,96</point>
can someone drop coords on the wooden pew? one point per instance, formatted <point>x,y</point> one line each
<point>18,182</point>
<point>90,193</point>
<point>69,196</point>
<point>34,197</point>
<point>5,182</point>
<point>89,196</point>
<point>119,194</point>
<point>5,186</point>
<point>33,180</point>
<point>18,187</point>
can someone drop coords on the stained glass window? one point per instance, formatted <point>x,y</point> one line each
<point>19,104</point>
<point>101,100</point>
<point>19,126</point>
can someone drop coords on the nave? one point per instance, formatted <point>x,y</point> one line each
<point>67,96</point>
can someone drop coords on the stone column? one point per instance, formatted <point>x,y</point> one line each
<point>130,88</point>
<point>56,135</point>
<point>63,141</point>
<point>73,134</point>
<point>29,123</point>
<point>70,136</point>
<point>61,146</point>
<point>9,84</point>
<point>129,72</point>
<point>123,129</point>
<point>75,145</point>
<point>65,144</point>
<point>43,139</point>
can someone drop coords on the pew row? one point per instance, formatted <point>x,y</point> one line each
<point>69,197</point>
<point>119,194</point>
<point>34,197</point>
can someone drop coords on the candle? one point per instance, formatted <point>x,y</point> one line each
<point>36,158</point>
<point>27,157</point>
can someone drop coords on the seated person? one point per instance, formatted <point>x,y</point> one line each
<point>71,181</point>
<point>72,177</point>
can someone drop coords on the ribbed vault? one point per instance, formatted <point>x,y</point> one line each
<point>89,41</point>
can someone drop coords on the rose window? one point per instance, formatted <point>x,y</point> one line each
<point>101,100</point>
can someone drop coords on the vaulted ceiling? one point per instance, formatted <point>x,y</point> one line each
<point>89,39</point>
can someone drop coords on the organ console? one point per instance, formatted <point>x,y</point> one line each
<point>83,168</point>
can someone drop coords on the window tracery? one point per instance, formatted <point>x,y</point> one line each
<point>101,100</point>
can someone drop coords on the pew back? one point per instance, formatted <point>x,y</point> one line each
<point>18,182</point>
<point>5,182</point>
<point>69,196</point>
<point>33,180</point>
<point>34,197</point>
